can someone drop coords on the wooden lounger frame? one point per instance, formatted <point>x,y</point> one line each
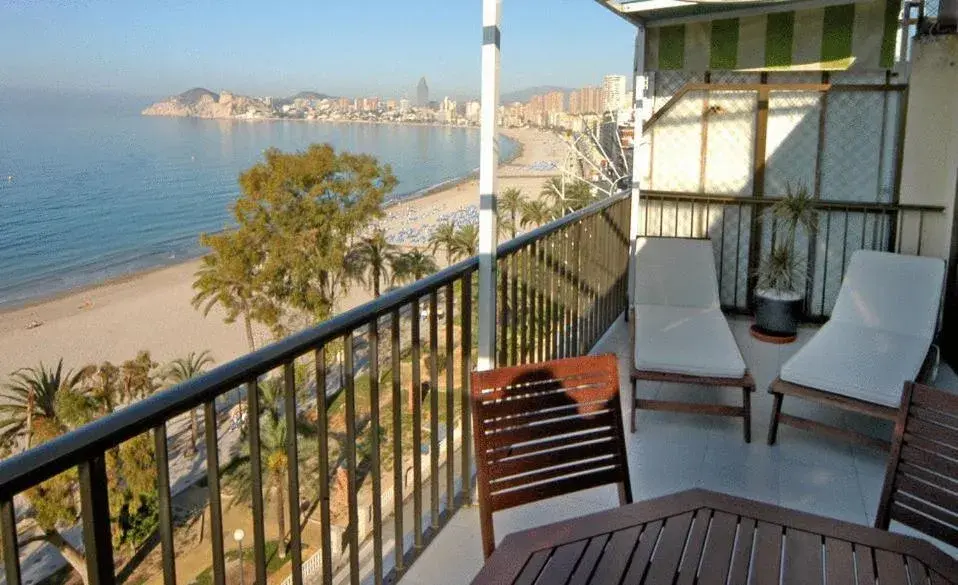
<point>746,383</point>
<point>780,388</point>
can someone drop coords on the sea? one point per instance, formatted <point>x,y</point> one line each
<point>90,190</point>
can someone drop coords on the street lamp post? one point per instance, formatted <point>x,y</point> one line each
<point>238,536</point>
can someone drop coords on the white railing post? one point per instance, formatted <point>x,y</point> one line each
<point>488,182</point>
<point>640,88</point>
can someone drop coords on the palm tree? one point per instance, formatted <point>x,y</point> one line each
<point>371,256</point>
<point>412,266</point>
<point>183,369</point>
<point>273,431</point>
<point>32,397</point>
<point>510,202</point>
<point>505,227</point>
<point>536,213</point>
<point>466,242</point>
<point>444,237</point>
<point>566,195</point>
<point>227,277</point>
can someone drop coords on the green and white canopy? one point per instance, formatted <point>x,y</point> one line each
<point>765,36</point>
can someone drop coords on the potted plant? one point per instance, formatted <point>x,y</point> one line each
<point>779,292</point>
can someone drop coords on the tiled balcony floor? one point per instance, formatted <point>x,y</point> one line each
<point>673,452</point>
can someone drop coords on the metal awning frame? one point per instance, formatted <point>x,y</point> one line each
<point>657,13</point>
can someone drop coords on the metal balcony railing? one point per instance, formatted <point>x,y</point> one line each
<point>562,286</point>
<point>742,232</point>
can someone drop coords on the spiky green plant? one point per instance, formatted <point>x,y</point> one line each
<point>781,270</point>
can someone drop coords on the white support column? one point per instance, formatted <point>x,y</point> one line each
<point>639,149</point>
<point>488,183</point>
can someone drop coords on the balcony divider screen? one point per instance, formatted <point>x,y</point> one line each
<point>345,446</point>
<point>723,146</point>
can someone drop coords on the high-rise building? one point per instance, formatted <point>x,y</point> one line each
<point>554,102</point>
<point>473,109</point>
<point>536,105</point>
<point>422,93</point>
<point>403,105</point>
<point>587,100</point>
<point>613,87</point>
<point>514,114</point>
<point>590,100</point>
<point>448,110</point>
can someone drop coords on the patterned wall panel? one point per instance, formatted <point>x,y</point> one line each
<point>853,143</point>
<point>676,144</point>
<point>791,150</point>
<point>729,151</point>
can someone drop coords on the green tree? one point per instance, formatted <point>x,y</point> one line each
<point>412,266</point>
<point>567,195</point>
<point>505,229</point>
<point>536,213</point>
<point>38,405</point>
<point>230,276</point>
<point>30,399</point>
<point>443,237</point>
<point>304,209</point>
<point>296,215</point>
<point>273,433</point>
<point>466,242</point>
<point>371,260</point>
<point>131,467</point>
<point>186,368</point>
<point>510,203</point>
<point>68,402</point>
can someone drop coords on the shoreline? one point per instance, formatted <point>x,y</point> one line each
<point>453,183</point>
<point>42,298</point>
<point>85,289</point>
<point>151,309</point>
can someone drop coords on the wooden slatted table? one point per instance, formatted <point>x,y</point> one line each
<point>708,538</point>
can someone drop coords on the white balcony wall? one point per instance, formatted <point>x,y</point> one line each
<point>930,165</point>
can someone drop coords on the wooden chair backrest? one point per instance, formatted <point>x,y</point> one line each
<point>544,430</point>
<point>921,483</point>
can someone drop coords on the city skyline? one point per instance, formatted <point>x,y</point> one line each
<point>145,50</point>
<point>562,108</point>
<point>590,98</point>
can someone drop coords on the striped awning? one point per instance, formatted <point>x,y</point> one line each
<point>692,36</point>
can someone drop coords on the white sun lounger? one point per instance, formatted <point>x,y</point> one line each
<point>878,337</point>
<point>679,332</point>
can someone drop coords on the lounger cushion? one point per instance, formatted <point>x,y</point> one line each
<point>858,362</point>
<point>880,331</point>
<point>891,292</point>
<point>677,272</point>
<point>686,340</point>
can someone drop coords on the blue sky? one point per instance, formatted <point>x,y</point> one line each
<point>343,47</point>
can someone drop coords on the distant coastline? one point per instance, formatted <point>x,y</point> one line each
<point>202,103</point>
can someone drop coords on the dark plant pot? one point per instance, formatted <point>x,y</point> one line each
<point>776,316</point>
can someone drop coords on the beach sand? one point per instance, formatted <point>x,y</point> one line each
<point>152,311</point>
